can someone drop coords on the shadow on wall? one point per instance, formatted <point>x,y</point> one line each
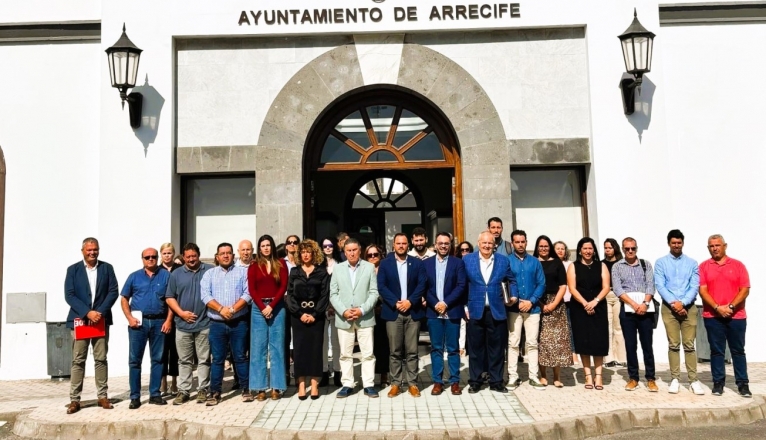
<point>642,117</point>
<point>150,114</point>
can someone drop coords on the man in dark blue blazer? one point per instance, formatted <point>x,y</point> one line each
<point>487,330</point>
<point>402,285</point>
<point>445,301</point>
<point>90,289</point>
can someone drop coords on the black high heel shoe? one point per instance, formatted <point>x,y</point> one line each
<point>314,396</point>
<point>304,397</point>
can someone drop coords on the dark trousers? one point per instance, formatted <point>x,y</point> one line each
<point>634,328</point>
<point>149,331</point>
<point>225,335</point>
<point>403,343</point>
<point>487,338</point>
<point>445,334</point>
<point>719,332</point>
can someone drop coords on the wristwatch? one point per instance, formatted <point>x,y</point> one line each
<point>646,303</point>
<point>731,307</point>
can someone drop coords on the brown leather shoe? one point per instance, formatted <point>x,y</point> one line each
<point>455,388</point>
<point>105,403</point>
<point>652,386</point>
<point>414,391</point>
<point>394,391</point>
<point>276,395</point>
<point>438,388</point>
<point>261,396</point>
<point>73,407</point>
<point>632,385</point>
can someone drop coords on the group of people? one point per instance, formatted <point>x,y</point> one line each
<point>266,312</point>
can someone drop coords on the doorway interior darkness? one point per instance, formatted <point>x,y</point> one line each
<point>379,162</point>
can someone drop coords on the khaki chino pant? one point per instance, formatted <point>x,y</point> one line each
<point>80,355</point>
<point>531,324</point>
<point>346,342</point>
<point>616,339</point>
<point>681,330</point>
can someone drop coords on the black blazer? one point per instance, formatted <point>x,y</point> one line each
<point>77,292</point>
<point>300,289</point>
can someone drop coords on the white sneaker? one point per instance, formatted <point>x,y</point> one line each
<point>696,388</point>
<point>674,387</point>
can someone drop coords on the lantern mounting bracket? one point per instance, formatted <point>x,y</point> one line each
<point>135,104</point>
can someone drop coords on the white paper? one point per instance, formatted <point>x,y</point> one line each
<point>638,297</point>
<point>138,315</point>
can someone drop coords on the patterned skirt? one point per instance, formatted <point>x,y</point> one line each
<point>554,346</point>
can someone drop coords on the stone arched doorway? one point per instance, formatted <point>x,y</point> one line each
<point>451,89</point>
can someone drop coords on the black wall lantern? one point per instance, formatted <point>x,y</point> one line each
<point>637,48</point>
<point>123,59</point>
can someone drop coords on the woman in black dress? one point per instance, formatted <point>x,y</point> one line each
<point>307,298</point>
<point>588,281</point>
<point>380,348</point>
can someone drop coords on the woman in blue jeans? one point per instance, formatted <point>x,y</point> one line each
<point>267,282</point>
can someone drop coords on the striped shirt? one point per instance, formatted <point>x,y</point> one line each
<point>227,287</point>
<point>631,278</point>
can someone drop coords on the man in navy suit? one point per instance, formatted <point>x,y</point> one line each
<point>487,322</point>
<point>402,285</point>
<point>90,289</point>
<point>445,300</point>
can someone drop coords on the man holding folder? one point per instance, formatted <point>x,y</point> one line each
<point>90,289</point>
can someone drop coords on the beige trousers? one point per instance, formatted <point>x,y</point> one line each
<point>616,340</point>
<point>531,324</point>
<point>80,355</point>
<point>346,342</point>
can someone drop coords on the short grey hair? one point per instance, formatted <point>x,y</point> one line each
<point>351,240</point>
<point>88,241</point>
<point>716,237</point>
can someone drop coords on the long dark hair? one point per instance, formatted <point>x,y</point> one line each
<point>272,260</point>
<point>593,243</point>
<point>335,250</point>
<point>551,251</point>
<point>617,252</point>
<point>470,248</point>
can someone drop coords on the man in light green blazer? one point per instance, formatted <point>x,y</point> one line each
<point>353,294</point>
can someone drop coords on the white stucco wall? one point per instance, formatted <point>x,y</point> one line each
<point>49,131</point>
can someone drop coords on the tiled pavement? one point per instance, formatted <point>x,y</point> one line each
<point>43,404</point>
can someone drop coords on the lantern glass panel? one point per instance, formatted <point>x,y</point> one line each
<point>642,49</point>
<point>650,50</point>
<point>120,60</point>
<point>132,69</point>
<point>627,53</point>
<point>110,58</point>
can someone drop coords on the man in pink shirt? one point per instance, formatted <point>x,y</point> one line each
<point>724,286</point>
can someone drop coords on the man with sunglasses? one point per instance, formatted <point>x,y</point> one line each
<point>633,283</point>
<point>149,320</point>
<point>445,299</point>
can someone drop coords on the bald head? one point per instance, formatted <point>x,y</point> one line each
<point>245,251</point>
<point>486,244</point>
<point>150,258</point>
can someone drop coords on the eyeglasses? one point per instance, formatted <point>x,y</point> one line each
<point>291,243</point>
<point>373,255</point>
<point>465,250</point>
<point>443,244</point>
<point>150,257</point>
<point>328,246</point>
<point>629,249</point>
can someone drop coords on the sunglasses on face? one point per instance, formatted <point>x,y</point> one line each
<point>629,249</point>
<point>150,257</point>
<point>291,243</point>
<point>328,246</point>
<point>373,255</point>
<point>464,250</point>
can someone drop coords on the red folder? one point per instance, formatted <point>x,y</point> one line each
<point>85,330</point>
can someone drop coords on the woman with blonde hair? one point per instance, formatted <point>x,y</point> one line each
<point>267,283</point>
<point>169,352</point>
<point>307,298</point>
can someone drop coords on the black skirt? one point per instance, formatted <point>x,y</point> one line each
<point>308,359</point>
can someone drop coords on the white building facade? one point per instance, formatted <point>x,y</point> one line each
<point>308,118</point>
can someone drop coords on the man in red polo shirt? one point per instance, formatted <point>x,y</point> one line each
<point>724,286</point>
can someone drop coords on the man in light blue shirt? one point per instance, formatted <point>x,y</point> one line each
<point>525,314</point>
<point>677,279</point>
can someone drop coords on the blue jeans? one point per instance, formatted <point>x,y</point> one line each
<point>222,335</point>
<point>151,331</point>
<point>719,332</point>
<point>635,328</point>
<point>267,343</point>
<point>445,334</point>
